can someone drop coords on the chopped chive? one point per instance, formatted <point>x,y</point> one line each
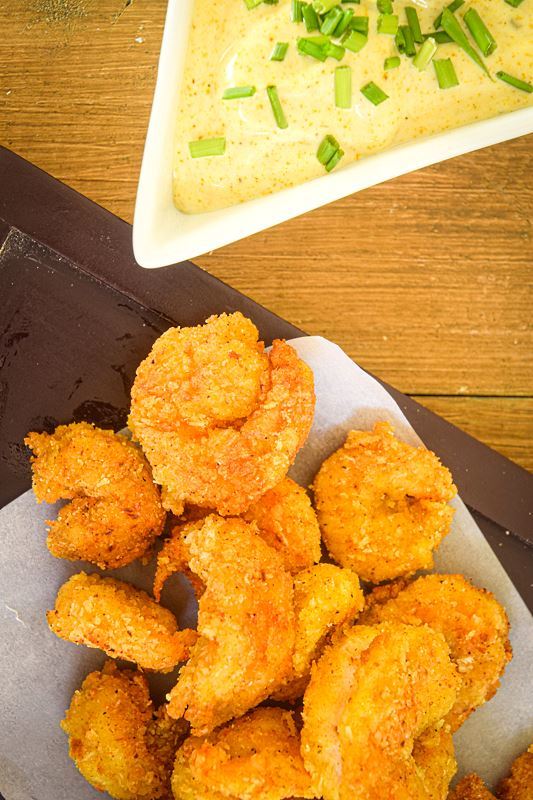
<point>446,74</point>
<point>334,51</point>
<point>354,41</point>
<point>414,23</point>
<point>374,93</point>
<point>296,11</point>
<point>480,33</point>
<point>331,20</point>
<point>343,87</point>
<point>310,17</point>
<point>408,41</point>
<point>384,6</point>
<point>323,6</point>
<point>513,3</point>
<point>516,82</point>
<point>453,6</point>
<point>388,23</point>
<point>425,54</point>
<point>441,37</point>
<point>334,160</point>
<point>392,62</point>
<point>344,23</point>
<point>326,149</point>
<point>359,24</point>
<point>399,40</point>
<point>312,47</point>
<point>208,147</point>
<point>280,51</point>
<point>235,92</point>
<point>279,116</point>
<point>452,27</point>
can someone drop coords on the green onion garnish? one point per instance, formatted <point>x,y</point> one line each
<point>235,92</point>
<point>326,149</point>
<point>453,6</point>
<point>334,160</point>
<point>388,23</point>
<point>452,27</point>
<point>399,40</point>
<point>392,62</point>
<point>408,42</point>
<point>323,6</point>
<point>354,41</point>
<point>374,93</point>
<point>446,74</point>
<point>344,23</point>
<point>414,23</point>
<point>425,54</point>
<point>334,51</point>
<point>310,17</point>
<point>516,82</point>
<point>359,24</point>
<point>312,47</point>
<point>480,33</point>
<point>441,37</point>
<point>280,51</point>
<point>296,11</point>
<point>279,116</point>
<point>331,20</point>
<point>384,6</point>
<point>208,147</point>
<point>513,3</point>
<point>343,87</point>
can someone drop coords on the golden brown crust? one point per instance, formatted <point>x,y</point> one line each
<point>115,514</point>
<point>218,460</point>
<point>472,621</point>
<point>121,620</point>
<point>519,783</point>
<point>471,787</point>
<point>382,505</point>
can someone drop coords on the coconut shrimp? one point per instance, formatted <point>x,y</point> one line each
<point>245,624</point>
<point>471,620</point>
<point>219,420</point>
<point>373,694</point>
<point>116,512</point>
<point>121,620</point>
<point>382,505</point>
<point>256,757</point>
<point>118,741</point>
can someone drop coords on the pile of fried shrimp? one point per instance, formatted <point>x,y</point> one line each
<point>323,664</point>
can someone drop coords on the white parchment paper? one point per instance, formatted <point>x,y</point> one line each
<point>39,672</point>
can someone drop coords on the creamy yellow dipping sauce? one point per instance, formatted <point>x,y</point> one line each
<point>231,46</point>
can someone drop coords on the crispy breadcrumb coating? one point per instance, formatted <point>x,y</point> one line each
<point>219,421</point>
<point>256,757</point>
<point>245,623</point>
<point>372,694</point>
<point>519,783</point>
<point>119,743</point>
<point>116,512</point>
<point>326,597</point>
<point>121,620</point>
<point>434,757</point>
<point>471,787</point>
<point>287,522</point>
<point>382,505</point>
<point>471,620</point>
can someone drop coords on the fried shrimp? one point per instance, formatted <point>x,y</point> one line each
<point>382,505</point>
<point>115,514</point>
<point>326,597</point>
<point>372,695</point>
<point>245,623</point>
<point>256,757</point>
<point>519,783</point>
<point>287,522</point>
<point>471,620</point>
<point>434,756</point>
<point>219,420</point>
<point>471,787</point>
<point>121,620</point>
<point>117,740</point>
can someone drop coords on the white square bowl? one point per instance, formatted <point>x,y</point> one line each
<point>163,235</point>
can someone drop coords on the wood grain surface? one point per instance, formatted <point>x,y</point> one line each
<point>426,280</point>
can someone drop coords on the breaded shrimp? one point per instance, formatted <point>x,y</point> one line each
<point>119,743</point>
<point>434,756</point>
<point>372,695</point>
<point>115,514</point>
<point>326,597</point>
<point>218,419</point>
<point>471,787</point>
<point>471,620</point>
<point>519,783</point>
<point>121,620</point>
<point>287,522</point>
<point>256,757</point>
<point>382,505</point>
<point>245,623</point>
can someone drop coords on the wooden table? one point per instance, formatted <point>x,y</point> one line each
<point>425,281</point>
